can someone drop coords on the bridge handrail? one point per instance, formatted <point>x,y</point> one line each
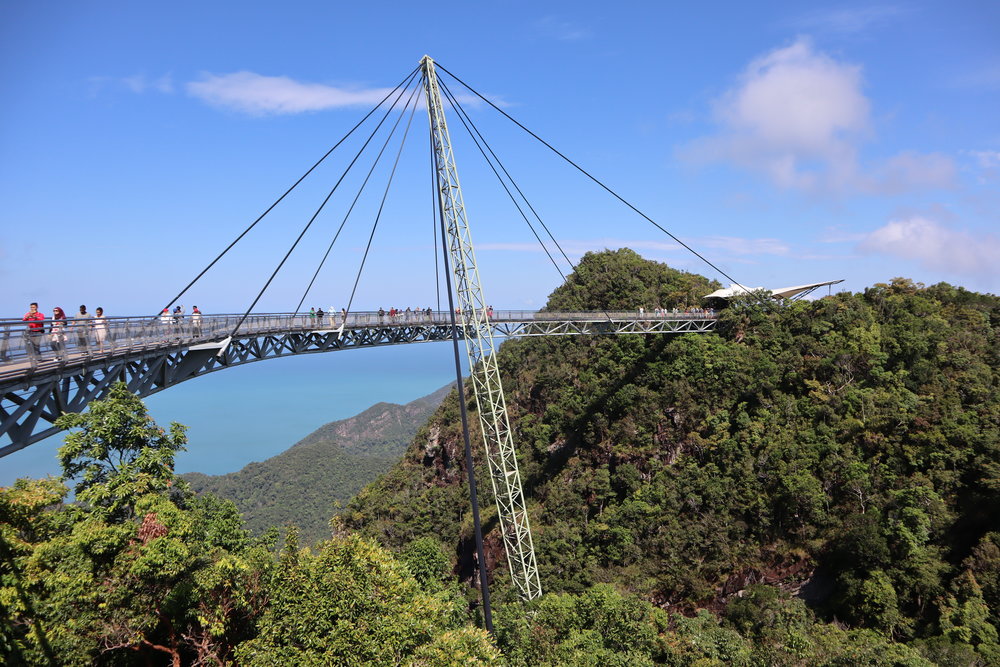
<point>369,315</point>
<point>50,344</point>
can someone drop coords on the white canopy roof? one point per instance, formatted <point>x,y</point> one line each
<point>732,290</point>
<point>783,292</point>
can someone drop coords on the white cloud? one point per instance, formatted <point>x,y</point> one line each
<point>136,83</point>
<point>836,235</point>
<point>987,166</point>
<point>140,83</point>
<point>911,170</point>
<point>799,117</point>
<point>986,159</point>
<point>741,246</point>
<point>564,31</point>
<point>984,77</point>
<point>936,246</point>
<point>258,94</point>
<point>730,245</point>
<point>847,21</point>
<point>577,247</point>
<point>796,115</point>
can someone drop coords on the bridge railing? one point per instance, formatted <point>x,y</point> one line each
<point>29,347</point>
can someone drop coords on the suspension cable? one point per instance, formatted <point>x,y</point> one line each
<point>313,218</point>
<point>467,122</point>
<point>461,113</point>
<point>385,144</point>
<point>294,185</point>
<point>434,216</point>
<point>385,196</point>
<point>591,177</point>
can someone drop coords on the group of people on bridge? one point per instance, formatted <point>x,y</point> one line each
<point>316,316</point>
<point>391,316</point>
<point>168,318</point>
<point>692,311</point>
<point>84,331</point>
<point>408,315</point>
<point>84,327</point>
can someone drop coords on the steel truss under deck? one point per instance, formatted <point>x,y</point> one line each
<point>36,391</point>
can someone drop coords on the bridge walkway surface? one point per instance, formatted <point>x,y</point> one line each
<point>46,373</point>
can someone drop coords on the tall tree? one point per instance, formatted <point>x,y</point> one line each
<point>354,604</point>
<point>118,454</point>
<point>137,570</point>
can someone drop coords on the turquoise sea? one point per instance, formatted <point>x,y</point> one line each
<point>252,412</point>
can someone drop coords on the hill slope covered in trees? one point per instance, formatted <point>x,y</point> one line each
<point>814,484</point>
<point>304,484</point>
<point>846,450</point>
<point>140,571</point>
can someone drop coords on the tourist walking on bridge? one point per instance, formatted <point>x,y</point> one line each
<point>101,327</point>
<point>57,332</point>
<point>82,325</point>
<point>196,321</point>
<point>36,328</point>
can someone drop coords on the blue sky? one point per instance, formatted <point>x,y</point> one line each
<point>788,144</point>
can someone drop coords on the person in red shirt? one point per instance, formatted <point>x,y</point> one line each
<point>36,327</point>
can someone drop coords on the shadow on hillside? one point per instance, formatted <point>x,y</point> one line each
<point>558,459</point>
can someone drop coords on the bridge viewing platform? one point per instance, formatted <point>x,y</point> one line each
<point>48,371</point>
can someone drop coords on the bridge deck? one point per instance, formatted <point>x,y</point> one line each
<point>44,374</point>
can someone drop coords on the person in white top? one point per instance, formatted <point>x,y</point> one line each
<point>100,329</point>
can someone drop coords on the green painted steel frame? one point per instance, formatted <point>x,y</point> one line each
<point>501,456</point>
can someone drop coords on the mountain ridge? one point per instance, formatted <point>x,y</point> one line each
<point>305,484</point>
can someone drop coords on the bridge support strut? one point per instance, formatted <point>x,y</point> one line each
<point>492,407</point>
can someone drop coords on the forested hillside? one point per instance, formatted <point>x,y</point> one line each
<point>140,571</point>
<point>815,483</point>
<point>845,450</point>
<point>304,484</point>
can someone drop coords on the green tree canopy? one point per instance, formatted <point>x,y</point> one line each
<point>119,453</point>
<point>354,604</point>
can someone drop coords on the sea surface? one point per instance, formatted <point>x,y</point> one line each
<point>252,412</point>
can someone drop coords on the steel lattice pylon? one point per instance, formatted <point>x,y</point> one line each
<point>487,388</point>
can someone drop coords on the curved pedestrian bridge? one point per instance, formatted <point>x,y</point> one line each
<point>46,372</point>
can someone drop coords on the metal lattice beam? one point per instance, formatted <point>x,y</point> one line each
<point>35,390</point>
<point>498,443</point>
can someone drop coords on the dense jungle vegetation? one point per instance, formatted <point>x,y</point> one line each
<point>815,483</point>
<point>844,451</point>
